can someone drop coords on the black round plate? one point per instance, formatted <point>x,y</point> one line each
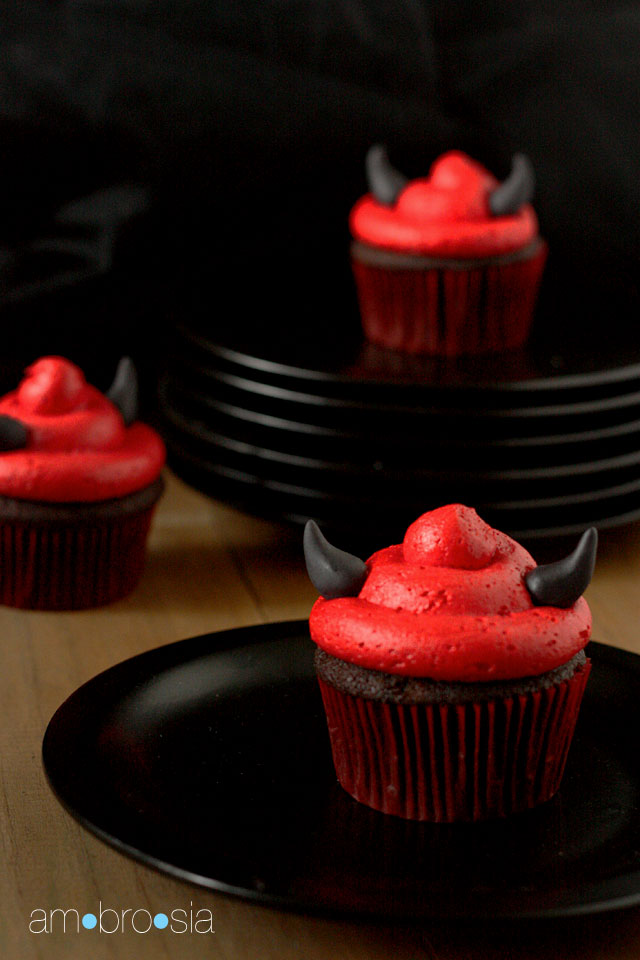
<point>329,351</point>
<point>209,759</point>
<point>349,515</point>
<point>385,482</point>
<point>428,464</point>
<point>356,404</point>
<point>383,428</point>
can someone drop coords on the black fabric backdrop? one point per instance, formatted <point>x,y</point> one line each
<point>239,129</point>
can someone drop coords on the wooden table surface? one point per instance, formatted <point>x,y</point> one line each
<point>210,568</point>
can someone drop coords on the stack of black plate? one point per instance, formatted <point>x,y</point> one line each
<point>541,442</point>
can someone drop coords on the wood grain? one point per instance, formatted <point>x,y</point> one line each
<point>211,568</point>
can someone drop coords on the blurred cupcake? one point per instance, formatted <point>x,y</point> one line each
<point>449,264</point>
<point>451,667</point>
<point>78,483</point>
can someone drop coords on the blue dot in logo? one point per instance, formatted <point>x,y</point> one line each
<point>89,921</point>
<point>161,920</point>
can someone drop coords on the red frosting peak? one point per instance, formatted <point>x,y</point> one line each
<point>450,603</point>
<point>52,385</point>
<point>61,410</point>
<point>78,445</point>
<point>451,536</point>
<point>444,215</point>
<point>457,188</point>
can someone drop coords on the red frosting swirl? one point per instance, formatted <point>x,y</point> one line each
<point>78,447</point>
<point>450,603</point>
<point>444,215</point>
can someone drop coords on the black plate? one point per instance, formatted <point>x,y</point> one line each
<point>349,516</point>
<point>330,352</point>
<point>618,419</point>
<point>613,421</point>
<point>384,482</point>
<point>354,401</point>
<point>209,759</point>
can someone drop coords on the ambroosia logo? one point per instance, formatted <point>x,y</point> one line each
<point>108,920</point>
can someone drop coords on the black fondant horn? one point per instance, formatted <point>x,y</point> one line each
<point>123,392</point>
<point>334,573</point>
<point>560,584</point>
<point>516,190</point>
<point>13,434</point>
<point>385,182</point>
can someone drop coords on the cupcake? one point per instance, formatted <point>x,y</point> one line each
<point>78,483</point>
<point>449,264</point>
<point>451,667</point>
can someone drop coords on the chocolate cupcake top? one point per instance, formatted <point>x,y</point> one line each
<point>63,441</point>
<point>459,210</point>
<point>394,688</point>
<point>456,601</point>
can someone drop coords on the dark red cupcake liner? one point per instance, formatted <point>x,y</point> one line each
<point>67,564</point>
<point>450,762</point>
<point>448,308</point>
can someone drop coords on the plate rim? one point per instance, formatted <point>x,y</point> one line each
<point>286,394</point>
<point>170,391</point>
<point>255,362</point>
<point>206,436</point>
<point>253,486</point>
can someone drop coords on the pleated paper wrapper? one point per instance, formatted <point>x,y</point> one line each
<point>451,762</point>
<point>67,566</point>
<point>452,308</point>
